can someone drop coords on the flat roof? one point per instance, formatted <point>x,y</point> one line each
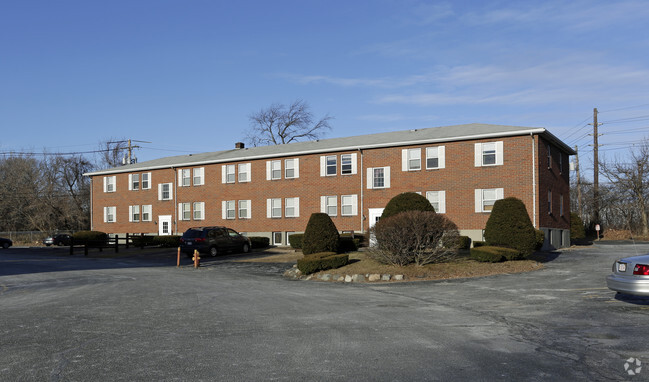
<point>390,139</point>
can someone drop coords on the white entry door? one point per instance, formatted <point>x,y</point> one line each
<point>375,215</point>
<point>164,225</point>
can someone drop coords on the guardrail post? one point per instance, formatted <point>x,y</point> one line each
<point>116,243</point>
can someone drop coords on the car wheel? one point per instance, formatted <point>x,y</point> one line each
<point>60,243</point>
<point>213,251</point>
<point>5,245</point>
<point>246,248</point>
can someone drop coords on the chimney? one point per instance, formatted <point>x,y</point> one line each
<point>239,145</point>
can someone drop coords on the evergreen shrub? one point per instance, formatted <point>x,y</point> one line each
<point>509,226</point>
<point>407,201</point>
<point>489,254</point>
<point>259,242</point>
<point>577,230</point>
<point>347,243</point>
<point>464,242</point>
<point>320,235</point>
<point>540,239</point>
<point>296,240</point>
<point>321,261</point>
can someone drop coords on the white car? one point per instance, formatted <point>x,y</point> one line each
<point>630,276</point>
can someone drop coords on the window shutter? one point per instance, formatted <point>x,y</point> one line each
<point>223,174</point>
<point>180,211</point>
<point>249,211</point>
<point>499,152</point>
<point>224,212</point>
<point>478,156</point>
<point>202,206</point>
<point>269,171</point>
<point>323,166</point>
<point>441,156</point>
<point>442,202</point>
<point>105,186</point>
<point>105,213</point>
<point>387,177</point>
<point>296,164</point>
<point>354,164</point>
<point>323,204</point>
<point>160,191</point>
<point>171,192</point>
<point>269,208</point>
<point>180,177</point>
<point>249,172</point>
<point>500,193</point>
<point>150,181</point>
<point>478,200</point>
<point>130,213</point>
<point>354,205</point>
<point>404,160</point>
<point>370,178</point>
<point>130,182</point>
<point>296,204</point>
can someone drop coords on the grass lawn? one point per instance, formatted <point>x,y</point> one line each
<point>361,264</point>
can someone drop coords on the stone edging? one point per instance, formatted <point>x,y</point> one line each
<point>295,273</point>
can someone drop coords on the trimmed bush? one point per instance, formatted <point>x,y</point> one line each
<point>296,240</point>
<point>478,243</point>
<point>540,239</point>
<point>407,201</point>
<point>259,241</point>
<point>347,243</point>
<point>577,230</point>
<point>489,254</point>
<point>420,237</point>
<point>90,238</point>
<point>509,226</point>
<point>464,242</point>
<point>321,261</point>
<point>320,235</point>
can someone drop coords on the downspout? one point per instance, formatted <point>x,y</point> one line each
<point>362,195</point>
<point>533,180</point>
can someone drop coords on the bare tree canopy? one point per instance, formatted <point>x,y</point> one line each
<point>112,152</point>
<point>280,124</point>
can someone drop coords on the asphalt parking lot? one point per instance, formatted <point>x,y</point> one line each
<point>138,317</point>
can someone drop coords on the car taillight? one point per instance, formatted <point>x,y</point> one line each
<point>641,269</point>
<point>199,240</point>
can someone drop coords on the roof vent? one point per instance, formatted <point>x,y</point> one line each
<point>239,145</point>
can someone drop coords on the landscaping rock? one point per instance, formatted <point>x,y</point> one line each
<point>326,277</point>
<point>348,279</point>
<point>374,277</point>
<point>358,278</point>
<point>398,278</point>
<point>385,277</point>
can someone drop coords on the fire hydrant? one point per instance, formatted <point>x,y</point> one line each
<point>197,259</point>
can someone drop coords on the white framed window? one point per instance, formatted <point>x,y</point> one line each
<point>438,200</point>
<point>287,235</point>
<point>244,209</point>
<point>292,168</point>
<point>328,165</point>
<point>184,211</point>
<point>489,154</point>
<point>165,192</point>
<point>277,238</point>
<point>273,170</point>
<point>378,177</point>
<point>185,177</point>
<point>228,209</point>
<point>485,198</point>
<point>146,213</point>
<point>549,202</point>
<point>349,205</point>
<point>274,208</point>
<point>199,176</point>
<point>133,214</point>
<point>110,183</point>
<point>146,181</point>
<point>244,172</point>
<point>329,205</point>
<point>435,157</point>
<point>133,182</point>
<point>348,164</point>
<point>411,159</point>
<point>110,214</point>
<point>228,173</point>
<point>199,210</point>
<point>292,207</point>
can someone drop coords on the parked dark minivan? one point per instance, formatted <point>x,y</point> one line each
<point>213,241</point>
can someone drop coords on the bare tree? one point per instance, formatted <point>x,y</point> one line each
<point>630,180</point>
<point>112,152</point>
<point>280,124</point>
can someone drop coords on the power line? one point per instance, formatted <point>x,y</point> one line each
<point>625,108</point>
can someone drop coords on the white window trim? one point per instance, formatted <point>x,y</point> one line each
<point>224,209</point>
<point>246,171</point>
<point>148,209</point>
<point>354,163</point>
<point>110,180</point>
<point>441,196</point>
<point>479,206</point>
<point>182,177</point>
<point>198,207</point>
<point>224,173</point>
<point>405,159</point>
<point>107,212</point>
<point>441,157</point>
<point>182,208</point>
<point>148,185</point>
<point>478,154</point>
<point>296,168</point>
<point>324,205</point>
<point>248,214</point>
<point>353,204</point>
<point>171,191</point>
<point>269,169</point>
<point>370,178</point>
<point>269,208</point>
<point>323,165</point>
<point>199,173</point>
<point>132,210</point>
<point>296,207</point>
<point>130,182</point>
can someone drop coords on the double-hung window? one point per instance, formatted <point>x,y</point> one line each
<point>378,177</point>
<point>228,209</point>
<point>134,182</point>
<point>199,210</point>
<point>199,176</point>
<point>329,205</point>
<point>485,198</point>
<point>274,207</point>
<point>185,176</point>
<point>292,168</point>
<point>185,211</point>
<point>134,213</point>
<point>244,209</point>
<point>228,173</point>
<point>435,157</point>
<point>110,184</point>
<point>244,172</point>
<point>411,159</point>
<point>275,169</point>
<point>110,214</point>
<point>330,165</point>
<point>489,154</point>
<point>438,200</point>
<point>165,191</point>
<point>146,181</point>
<point>346,164</point>
<point>348,205</point>
<point>292,207</point>
<point>146,213</point>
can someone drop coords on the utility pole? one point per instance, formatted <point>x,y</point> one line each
<point>579,210</point>
<point>595,168</point>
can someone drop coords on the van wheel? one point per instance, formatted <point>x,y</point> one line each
<point>213,251</point>
<point>246,248</point>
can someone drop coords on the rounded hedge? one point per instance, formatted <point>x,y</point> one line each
<point>509,226</point>
<point>577,231</point>
<point>320,235</point>
<point>407,201</point>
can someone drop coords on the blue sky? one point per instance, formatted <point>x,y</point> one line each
<point>185,75</point>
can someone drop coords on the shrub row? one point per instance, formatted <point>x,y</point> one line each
<point>259,241</point>
<point>346,243</point>
<point>464,242</point>
<point>321,261</point>
<point>490,254</point>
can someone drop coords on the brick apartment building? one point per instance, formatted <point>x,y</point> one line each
<point>272,190</point>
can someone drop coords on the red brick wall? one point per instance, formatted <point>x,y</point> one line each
<point>459,179</point>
